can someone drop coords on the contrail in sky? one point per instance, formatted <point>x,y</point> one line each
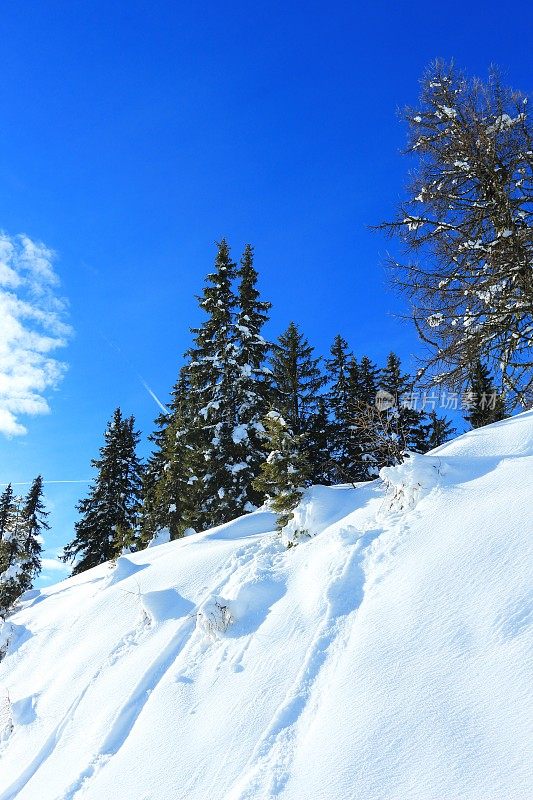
<point>153,395</point>
<point>27,483</point>
<point>127,361</point>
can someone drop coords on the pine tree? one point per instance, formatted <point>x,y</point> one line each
<point>438,431</point>
<point>21,525</point>
<point>153,514</point>
<point>253,390</point>
<point>364,456</point>
<point>297,378</point>
<point>483,402</point>
<point>368,381</point>
<point>168,493</point>
<point>319,446</point>
<point>405,419</point>
<point>177,490</point>
<point>208,449</point>
<point>340,402</point>
<point>110,514</point>
<point>7,511</point>
<point>9,550</point>
<point>34,522</point>
<point>214,374</point>
<point>387,424</point>
<point>285,472</point>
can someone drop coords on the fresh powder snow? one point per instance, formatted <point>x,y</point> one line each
<point>387,656</point>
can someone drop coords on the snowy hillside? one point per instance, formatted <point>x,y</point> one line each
<point>389,656</point>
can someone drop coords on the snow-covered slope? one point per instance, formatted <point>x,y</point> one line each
<point>389,656</point>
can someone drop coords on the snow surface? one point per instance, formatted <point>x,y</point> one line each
<point>388,657</point>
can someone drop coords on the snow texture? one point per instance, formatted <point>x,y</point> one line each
<point>387,656</point>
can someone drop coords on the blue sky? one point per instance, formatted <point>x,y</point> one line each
<point>135,134</point>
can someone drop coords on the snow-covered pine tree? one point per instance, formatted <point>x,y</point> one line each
<point>297,379</point>
<point>253,389</point>
<point>285,472</point>
<point>208,449</point>
<point>213,374</point>
<point>110,514</point>
<point>340,403</point>
<point>168,492</point>
<point>9,549</point>
<point>175,490</point>
<point>153,513</point>
<point>33,523</point>
<point>7,511</point>
<point>485,403</point>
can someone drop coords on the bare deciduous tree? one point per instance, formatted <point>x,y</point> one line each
<point>467,229</point>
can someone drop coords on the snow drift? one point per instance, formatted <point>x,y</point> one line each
<point>387,656</point>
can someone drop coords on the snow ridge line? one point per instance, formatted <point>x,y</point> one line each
<point>268,768</point>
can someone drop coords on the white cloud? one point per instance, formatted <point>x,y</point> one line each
<point>53,565</point>
<point>32,327</point>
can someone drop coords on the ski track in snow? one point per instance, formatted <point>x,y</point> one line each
<point>46,750</point>
<point>268,768</point>
<point>130,711</point>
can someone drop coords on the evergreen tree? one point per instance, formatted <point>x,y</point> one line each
<point>405,420</point>
<point>253,390</point>
<point>168,490</point>
<point>110,513</point>
<point>152,516</point>
<point>341,370</point>
<point>34,521</point>
<point>364,459</point>
<point>214,374</point>
<point>177,490</point>
<point>21,524</point>
<point>387,424</point>
<point>9,588</point>
<point>368,381</point>
<point>438,431</point>
<point>9,549</point>
<point>297,378</point>
<point>286,470</point>
<point>338,374</point>
<point>7,511</point>
<point>319,444</point>
<point>483,402</point>
<point>208,448</point>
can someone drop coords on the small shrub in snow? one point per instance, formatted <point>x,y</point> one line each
<point>409,481</point>
<point>214,617</point>
<point>5,637</point>
<point>6,715</point>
